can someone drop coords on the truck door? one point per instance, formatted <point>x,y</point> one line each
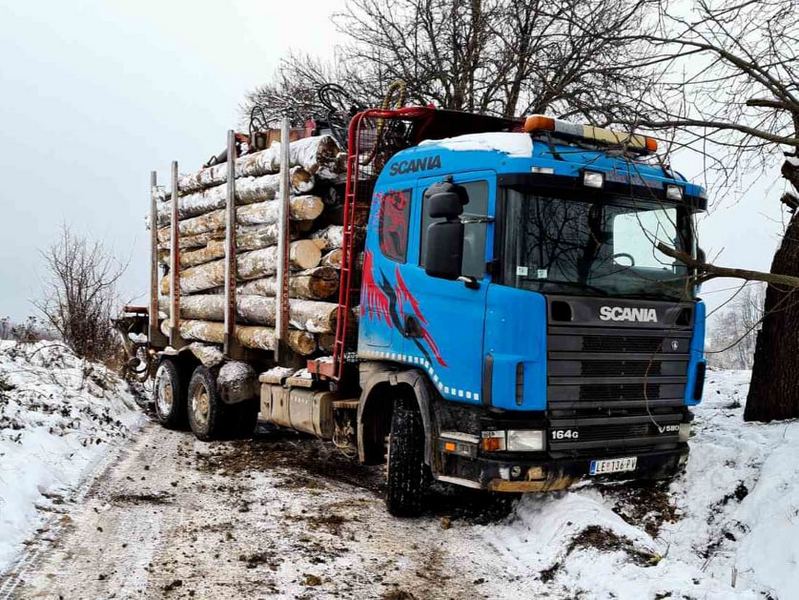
<point>443,319</point>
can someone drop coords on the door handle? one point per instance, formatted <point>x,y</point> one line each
<point>411,328</point>
<point>469,281</point>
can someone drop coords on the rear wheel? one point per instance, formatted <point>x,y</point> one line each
<point>207,412</point>
<point>169,395</point>
<point>407,477</point>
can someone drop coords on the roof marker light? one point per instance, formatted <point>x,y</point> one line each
<point>635,142</point>
<point>593,179</point>
<point>674,192</point>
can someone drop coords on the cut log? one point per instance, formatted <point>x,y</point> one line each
<point>318,283</point>
<point>329,238</point>
<point>306,315</point>
<point>249,237</point>
<point>245,235</point>
<point>303,254</point>
<point>302,208</point>
<point>332,259</point>
<point>317,155</point>
<point>248,191</point>
<point>249,336</point>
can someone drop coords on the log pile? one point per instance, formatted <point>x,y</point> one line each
<point>317,172</point>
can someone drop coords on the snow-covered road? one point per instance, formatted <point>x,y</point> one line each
<point>287,516</point>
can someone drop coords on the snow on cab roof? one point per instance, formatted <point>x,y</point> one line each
<point>519,145</point>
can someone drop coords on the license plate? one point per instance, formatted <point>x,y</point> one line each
<point>613,465</point>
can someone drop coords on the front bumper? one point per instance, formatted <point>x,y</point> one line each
<point>543,473</point>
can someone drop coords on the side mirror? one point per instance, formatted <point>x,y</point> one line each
<point>444,253</point>
<point>446,200</point>
<point>700,255</point>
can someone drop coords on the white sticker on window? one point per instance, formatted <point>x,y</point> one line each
<point>541,273</point>
<point>521,271</point>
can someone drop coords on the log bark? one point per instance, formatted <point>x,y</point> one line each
<point>248,191</point>
<point>317,155</point>
<point>303,254</point>
<point>249,336</point>
<point>302,208</point>
<point>318,283</point>
<point>306,315</point>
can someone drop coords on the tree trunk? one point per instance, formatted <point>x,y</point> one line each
<point>259,338</point>
<point>306,315</point>
<point>774,390</point>
<point>248,191</point>
<point>302,208</point>
<point>303,254</point>
<point>318,283</point>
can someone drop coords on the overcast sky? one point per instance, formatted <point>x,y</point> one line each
<point>96,93</point>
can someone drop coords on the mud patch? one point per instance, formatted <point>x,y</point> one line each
<point>647,505</point>
<point>311,460</point>
<point>606,540</point>
<point>157,498</point>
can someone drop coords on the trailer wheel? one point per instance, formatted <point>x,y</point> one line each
<point>406,469</point>
<point>207,412</point>
<point>169,395</point>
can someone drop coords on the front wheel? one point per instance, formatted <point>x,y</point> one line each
<point>407,478</point>
<point>169,395</point>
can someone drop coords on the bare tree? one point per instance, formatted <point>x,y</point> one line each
<point>80,294</point>
<point>499,57</point>
<point>735,327</point>
<point>730,90</point>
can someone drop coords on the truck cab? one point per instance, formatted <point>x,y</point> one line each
<point>517,314</point>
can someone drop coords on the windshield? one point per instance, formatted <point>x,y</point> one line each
<point>605,246</point>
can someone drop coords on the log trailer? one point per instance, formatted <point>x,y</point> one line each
<point>508,324</point>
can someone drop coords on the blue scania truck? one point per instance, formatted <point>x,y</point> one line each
<point>509,323</point>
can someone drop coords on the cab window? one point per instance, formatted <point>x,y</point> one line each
<point>395,209</point>
<point>474,236</point>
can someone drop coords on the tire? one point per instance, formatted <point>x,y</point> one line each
<point>169,395</point>
<point>406,469</point>
<point>208,415</point>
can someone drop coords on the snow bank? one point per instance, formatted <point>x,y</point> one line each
<point>59,416</point>
<point>734,531</point>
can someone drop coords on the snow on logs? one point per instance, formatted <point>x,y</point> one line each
<point>249,190</point>
<point>317,166</point>
<point>319,156</point>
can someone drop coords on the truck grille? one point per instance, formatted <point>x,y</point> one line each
<point>621,343</point>
<point>620,368</point>
<point>610,392</point>
<point>615,384</point>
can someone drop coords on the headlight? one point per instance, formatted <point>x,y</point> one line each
<point>685,431</point>
<point>525,440</point>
